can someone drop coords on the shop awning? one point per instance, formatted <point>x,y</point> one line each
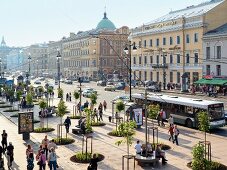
<point>220,82</point>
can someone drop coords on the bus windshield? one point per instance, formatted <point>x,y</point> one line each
<point>216,113</point>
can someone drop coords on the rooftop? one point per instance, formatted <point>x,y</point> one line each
<point>220,30</point>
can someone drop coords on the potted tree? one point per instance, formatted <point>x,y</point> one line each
<point>29,99</point>
<point>60,93</point>
<point>153,112</point>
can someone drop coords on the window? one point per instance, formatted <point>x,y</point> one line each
<point>187,39</point>
<point>196,58</point>
<point>140,59</point>
<point>207,69</point>
<point>178,77</point>
<point>187,58</point>
<point>151,76</point>
<point>140,75</point>
<point>134,60</point>
<point>195,76</point>
<point>157,42</point>
<point>170,40</point>
<point>207,52</point>
<point>134,75</point>
<point>164,59</point>
<point>140,44</point>
<point>218,70</point>
<point>178,39</point>
<point>178,58</point>
<point>157,59</point>
<point>171,77</point>
<point>218,52</point>
<point>164,41</point>
<point>157,76</point>
<point>151,43</point>
<point>145,43</point>
<point>151,59</point>
<point>145,60</point>
<point>196,37</point>
<point>145,75</point>
<point>171,59</point>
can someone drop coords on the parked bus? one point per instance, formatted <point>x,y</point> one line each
<point>185,110</point>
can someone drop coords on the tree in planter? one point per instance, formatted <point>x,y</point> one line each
<point>49,92</point>
<point>204,125</point>
<point>76,95</point>
<point>120,106</point>
<point>10,94</point>
<point>29,99</point>
<point>40,90</point>
<point>198,161</point>
<point>153,111</point>
<point>93,99</point>
<point>88,120</point>
<point>60,113</point>
<point>42,105</point>
<point>60,93</point>
<point>18,95</point>
<point>127,131</point>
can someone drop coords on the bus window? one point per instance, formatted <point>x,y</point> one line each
<point>189,109</point>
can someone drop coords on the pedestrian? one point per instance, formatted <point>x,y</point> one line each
<point>1,163</point>
<point>70,97</point>
<point>1,151</point>
<point>10,154</point>
<point>30,161</point>
<point>52,144</point>
<point>4,141</point>
<point>138,147</point>
<point>170,120</point>
<point>67,124</point>
<point>176,134</point>
<point>52,159</point>
<point>100,115</point>
<point>29,150</point>
<point>104,105</point>
<point>171,127</point>
<point>42,161</point>
<point>95,114</point>
<point>93,163</point>
<point>45,143</point>
<point>39,152</point>
<point>67,96</point>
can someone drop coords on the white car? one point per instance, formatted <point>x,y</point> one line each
<point>37,82</point>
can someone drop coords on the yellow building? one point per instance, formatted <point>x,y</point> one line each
<point>172,45</point>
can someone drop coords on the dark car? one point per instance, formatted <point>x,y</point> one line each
<point>120,86</point>
<point>226,117</point>
<point>101,83</point>
<point>68,81</point>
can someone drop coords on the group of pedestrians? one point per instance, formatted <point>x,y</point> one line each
<point>98,113</point>
<point>46,155</point>
<point>7,150</point>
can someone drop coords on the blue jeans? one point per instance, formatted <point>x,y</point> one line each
<point>54,163</point>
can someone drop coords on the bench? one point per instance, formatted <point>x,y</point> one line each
<point>77,130</point>
<point>146,160</point>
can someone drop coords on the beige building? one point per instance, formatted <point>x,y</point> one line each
<point>172,45</point>
<point>95,53</point>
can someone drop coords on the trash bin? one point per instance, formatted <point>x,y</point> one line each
<point>110,117</point>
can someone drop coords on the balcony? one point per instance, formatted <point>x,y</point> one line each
<point>156,66</point>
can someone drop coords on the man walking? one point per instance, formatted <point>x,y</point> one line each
<point>67,124</point>
<point>176,133</point>
<point>10,154</point>
<point>171,127</point>
<point>4,141</point>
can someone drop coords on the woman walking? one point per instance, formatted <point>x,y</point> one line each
<point>52,160</point>
<point>30,161</point>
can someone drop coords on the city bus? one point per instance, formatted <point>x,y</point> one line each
<point>185,110</point>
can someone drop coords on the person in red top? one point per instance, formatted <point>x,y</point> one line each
<point>171,132</point>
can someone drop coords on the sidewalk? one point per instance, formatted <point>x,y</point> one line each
<point>178,156</point>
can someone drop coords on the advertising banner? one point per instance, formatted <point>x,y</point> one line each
<point>25,122</point>
<point>138,116</point>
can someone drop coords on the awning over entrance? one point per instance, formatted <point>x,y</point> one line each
<point>220,82</point>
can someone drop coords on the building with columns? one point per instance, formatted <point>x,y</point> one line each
<point>96,53</point>
<point>215,52</point>
<point>171,45</point>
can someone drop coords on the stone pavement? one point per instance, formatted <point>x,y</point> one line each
<point>178,156</point>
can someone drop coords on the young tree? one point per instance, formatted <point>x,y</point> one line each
<point>204,125</point>
<point>49,92</point>
<point>120,106</point>
<point>60,93</point>
<point>29,99</point>
<point>93,99</point>
<point>127,131</point>
<point>42,105</point>
<point>153,111</point>
<point>88,120</point>
<point>60,113</point>
<point>76,95</point>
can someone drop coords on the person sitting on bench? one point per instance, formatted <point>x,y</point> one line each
<point>160,154</point>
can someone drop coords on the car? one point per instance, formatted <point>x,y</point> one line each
<point>62,80</point>
<point>101,83</point>
<point>154,88</point>
<point>226,116</point>
<point>49,85</point>
<point>124,98</point>
<point>110,88</point>
<point>120,86</point>
<point>68,81</point>
<point>37,82</point>
<point>134,83</point>
<point>42,78</point>
<point>88,92</point>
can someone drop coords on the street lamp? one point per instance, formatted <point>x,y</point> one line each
<point>128,51</point>
<point>58,62</point>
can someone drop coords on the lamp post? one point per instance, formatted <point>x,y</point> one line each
<point>58,66</point>
<point>128,51</point>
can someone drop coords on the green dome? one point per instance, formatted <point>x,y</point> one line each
<point>106,24</point>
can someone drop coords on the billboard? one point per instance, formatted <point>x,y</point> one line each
<point>138,113</point>
<point>25,122</point>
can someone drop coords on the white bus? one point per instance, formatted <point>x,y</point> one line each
<point>184,110</point>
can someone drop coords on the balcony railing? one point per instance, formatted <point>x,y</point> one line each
<point>160,66</point>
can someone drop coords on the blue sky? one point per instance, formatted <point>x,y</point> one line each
<point>25,22</point>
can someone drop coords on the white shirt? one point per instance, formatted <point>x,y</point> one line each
<point>171,120</point>
<point>138,148</point>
